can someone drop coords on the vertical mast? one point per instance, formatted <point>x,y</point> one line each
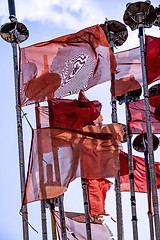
<point>84,183</point>
<point>116,34</point>
<point>40,161</point>
<point>60,199</point>
<point>150,140</point>
<point>10,34</point>
<point>138,16</point>
<point>140,144</point>
<point>131,175</point>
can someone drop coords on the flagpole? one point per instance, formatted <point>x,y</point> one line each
<point>120,229</point>
<point>138,16</point>
<point>40,161</point>
<point>62,217</point>
<point>84,183</point>
<point>140,144</point>
<point>148,180</point>
<point>59,198</point>
<point>20,145</point>
<point>53,221</point>
<point>116,34</point>
<point>9,33</point>
<point>149,138</point>
<point>131,174</point>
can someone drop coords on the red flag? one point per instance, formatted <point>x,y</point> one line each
<point>69,113</point>
<point>76,227</point>
<point>76,114</point>
<point>123,158</point>
<point>73,113</point>
<point>59,155</point>
<point>137,122</point>
<point>97,189</point>
<point>139,175</point>
<point>152,58</point>
<point>129,73</point>
<point>65,65</point>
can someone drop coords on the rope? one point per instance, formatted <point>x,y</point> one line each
<point>25,115</point>
<point>137,186</point>
<point>18,108</point>
<point>20,213</point>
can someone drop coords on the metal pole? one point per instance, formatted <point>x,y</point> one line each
<point>12,13</point>
<point>150,213</point>
<point>20,144</point>
<point>149,138</point>
<point>131,176</point>
<point>40,160</point>
<point>59,198</point>
<point>120,230</point>
<point>62,217</point>
<point>86,207</point>
<point>53,221</point>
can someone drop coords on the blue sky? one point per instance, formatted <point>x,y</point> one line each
<point>47,20</point>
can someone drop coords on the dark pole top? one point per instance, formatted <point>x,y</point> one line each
<point>12,11</point>
<point>13,31</point>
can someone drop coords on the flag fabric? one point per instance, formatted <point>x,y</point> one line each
<point>137,122</point>
<point>58,156</point>
<point>123,160</point>
<point>73,113</point>
<point>97,189</point>
<point>129,73</point>
<point>76,227</point>
<point>77,114</point>
<point>64,65</point>
<point>152,58</point>
<point>69,113</point>
<point>158,193</point>
<point>139,174</point>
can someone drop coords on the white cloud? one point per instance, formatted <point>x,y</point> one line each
<point>74,14</point>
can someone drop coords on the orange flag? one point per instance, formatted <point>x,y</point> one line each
<point>58,156</point>
<point>76,227</point>
<point>97,189</point>
<point>65,65</point>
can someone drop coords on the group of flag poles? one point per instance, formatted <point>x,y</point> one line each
<point>148,152</point>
